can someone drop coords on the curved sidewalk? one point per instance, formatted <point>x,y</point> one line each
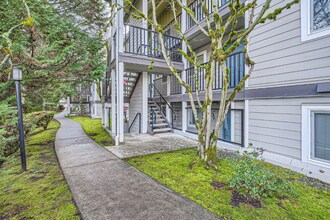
<point>105,187</point>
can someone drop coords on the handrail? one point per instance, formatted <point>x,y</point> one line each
<point>153,118</point>
<point>137,114</point>
<point>151,31</point>
<point>164,100</point>
<point>145,42</point>
<point>236,64</point>
<point>160,95</point>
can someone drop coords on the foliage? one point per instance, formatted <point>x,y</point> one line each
<point>254,180</point>
<point>224,35</point>
<point>54,46</point>
<point>174,170</point>
<point>38,119</point>
<point>8,130</point>
<point>94,129</point>
<point>9,142</point>
<point>41,192</point>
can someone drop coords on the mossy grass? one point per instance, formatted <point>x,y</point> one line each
<point>93,128</point>
<point>41,192</point>
<point>193,180</point>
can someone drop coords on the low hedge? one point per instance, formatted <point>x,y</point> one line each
<point>9,138</point>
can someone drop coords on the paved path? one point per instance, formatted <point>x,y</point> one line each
<point>142,144</point>
<point>105,187</point>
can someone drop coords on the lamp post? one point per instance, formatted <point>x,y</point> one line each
<point>17,76</point>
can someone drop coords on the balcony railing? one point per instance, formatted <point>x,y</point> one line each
<point>170,29</point>
<point>175,86</point>
<point>141,41</point>
<point>236,64</point>
<point>160,85</point>
<point>197,7</point>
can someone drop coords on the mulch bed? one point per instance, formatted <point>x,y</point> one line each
<point>217,185</point>
<point>237,199</point>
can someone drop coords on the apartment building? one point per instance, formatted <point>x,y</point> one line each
<point>86,101</point>
<point>284,107</point>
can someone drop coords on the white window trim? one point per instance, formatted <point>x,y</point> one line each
<point>306,33</point>
<point>306,138</point>
<point>202,53</point>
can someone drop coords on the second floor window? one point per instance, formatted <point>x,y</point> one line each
<point>320,14</point>
<point>315,19</point>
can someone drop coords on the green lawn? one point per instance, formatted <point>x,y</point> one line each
<point>41,192</point>
<point>94,129</point>
<point>173,170</point>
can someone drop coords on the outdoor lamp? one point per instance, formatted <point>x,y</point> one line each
<point>17,74</point>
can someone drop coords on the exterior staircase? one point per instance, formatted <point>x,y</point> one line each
<point>130,83</point>
<point>157,119</point>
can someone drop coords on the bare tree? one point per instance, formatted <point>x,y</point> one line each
<point>217,28</point>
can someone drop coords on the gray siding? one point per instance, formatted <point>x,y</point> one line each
<point>275,124</point>
<point>131,19</point>
<point>237,122</point>
<point>135,105</point>
<point>281,58</point>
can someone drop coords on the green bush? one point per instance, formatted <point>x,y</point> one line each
<point>60,108</point>
<point>8,130</point>
<point>255,181</point>
<point>9,142</point>
<point>37,119</point>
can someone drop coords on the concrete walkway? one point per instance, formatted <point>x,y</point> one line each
<point>142,144</point>
<point>105,187</point>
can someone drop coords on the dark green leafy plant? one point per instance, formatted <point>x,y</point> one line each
<point>8,130</point>
<point>255,181</point>
<point>8,127</point>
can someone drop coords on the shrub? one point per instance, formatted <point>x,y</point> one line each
<point>38,119</point>
<point>8,130</point>
<point>61,108</point>
<point>9,142</point>
<point>255,181</point>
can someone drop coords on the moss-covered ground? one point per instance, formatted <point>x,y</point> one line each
<point>93,128</point>
<point>41,192</point>
<point>175,170</point>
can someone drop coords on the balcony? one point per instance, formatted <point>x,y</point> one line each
<point>144,42</point>
<point>197,8</point>
<point>236,64</point>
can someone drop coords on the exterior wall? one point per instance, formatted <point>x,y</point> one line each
<point>136,105</point>
<point>281,58</point>
<point>134,21</point>
<point>275,124</point>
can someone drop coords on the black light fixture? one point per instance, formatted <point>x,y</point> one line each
<point>18,76</point>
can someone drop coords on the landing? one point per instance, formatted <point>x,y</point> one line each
<point>143,144</point>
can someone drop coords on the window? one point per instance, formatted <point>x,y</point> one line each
<point>315,134</point>
<point>320,139</point>
<point>315,19</point>
<point>191,117</point>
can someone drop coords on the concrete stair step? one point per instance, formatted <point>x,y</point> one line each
<point>160,124</point>
<point>158,116</point>
<point>158,120</point>
<point>162,130</point>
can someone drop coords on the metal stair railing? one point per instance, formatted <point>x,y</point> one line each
<point>129,128</point>
<point>159,103</point>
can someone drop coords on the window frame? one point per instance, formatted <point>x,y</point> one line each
<point>307,137</point>
<point>306,20</point>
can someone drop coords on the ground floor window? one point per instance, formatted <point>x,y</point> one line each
<point>232,128</point>
<point>321,136</point>
<point>177,115</point>
<point>316,134</point>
